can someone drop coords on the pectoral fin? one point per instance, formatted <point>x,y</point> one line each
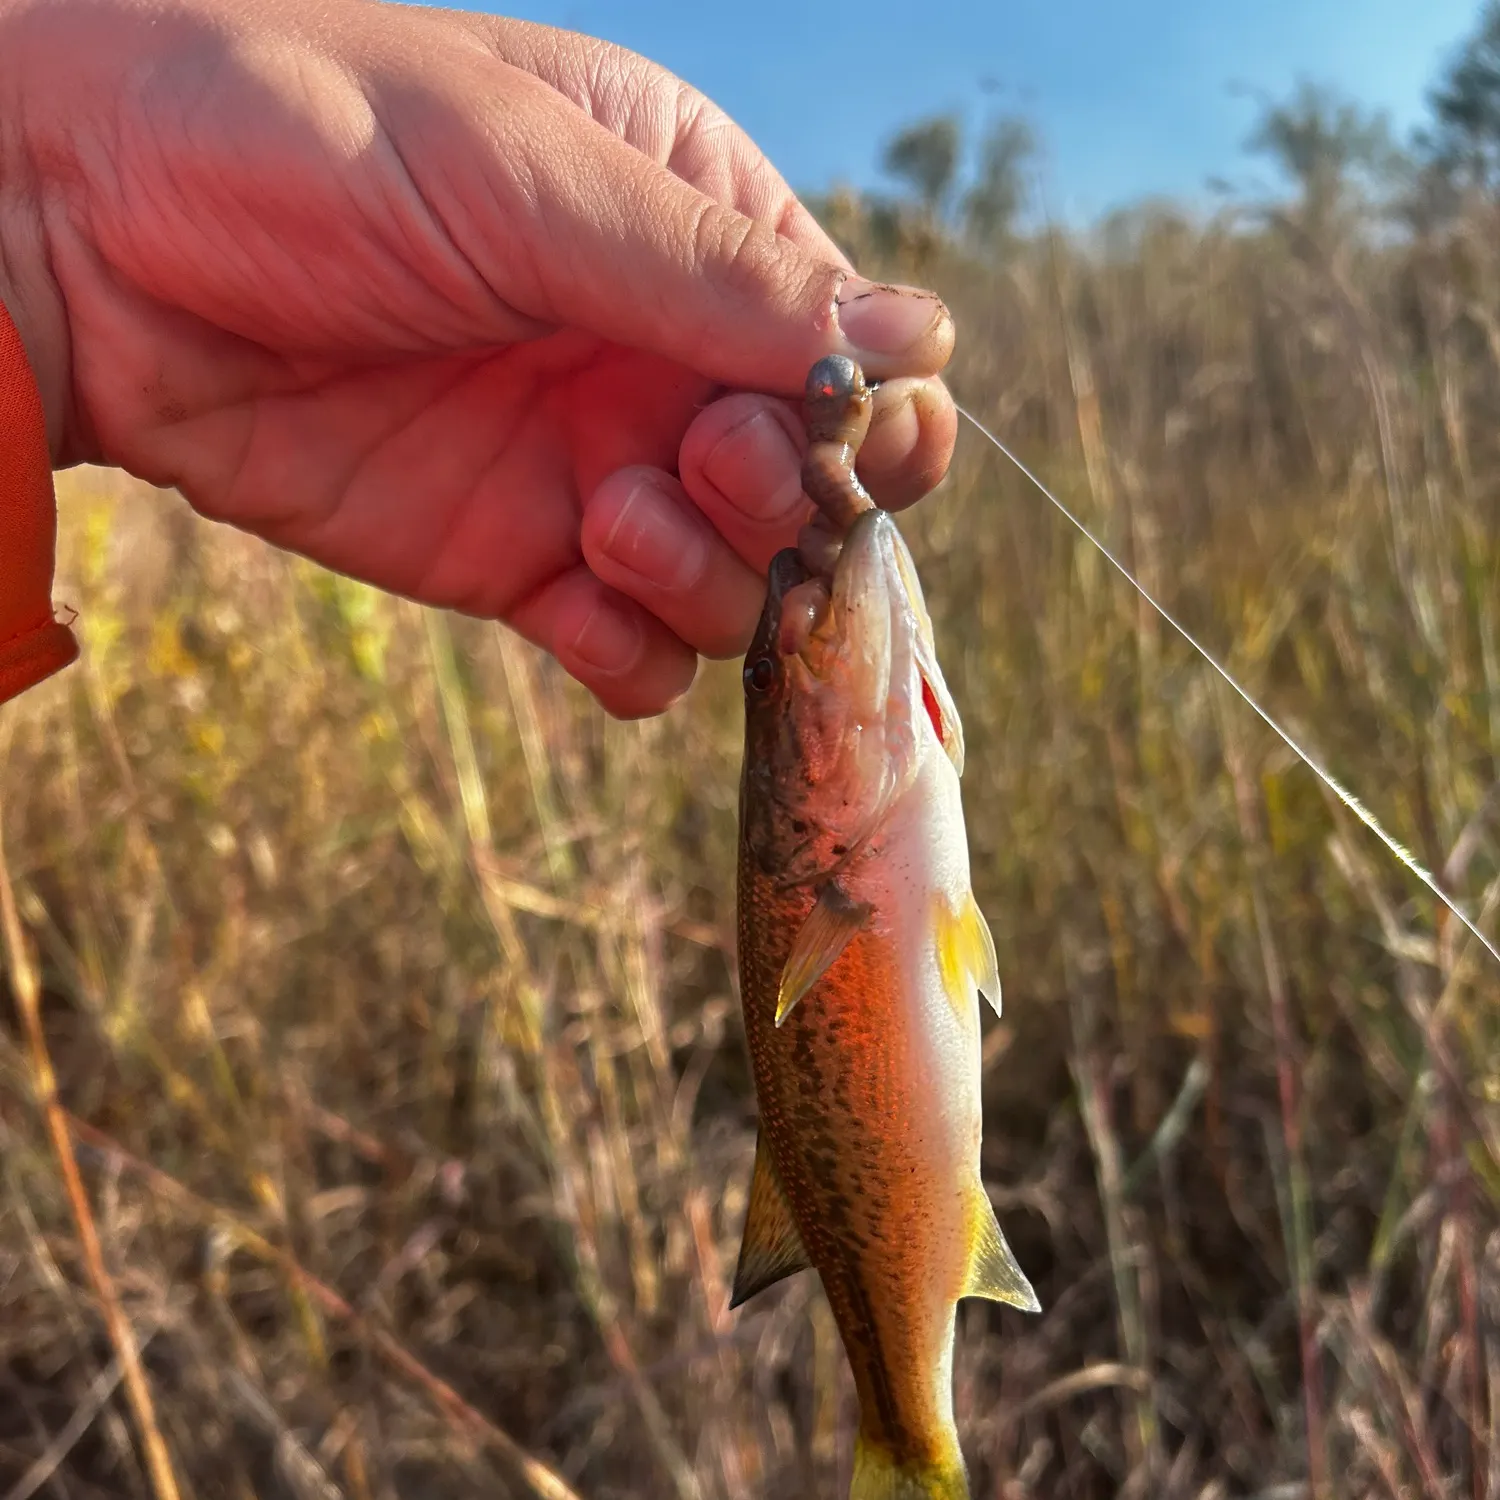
<point>993,1272</point>
<point>825,934</point>
<point>966,953</point>
<point>770,1248</point>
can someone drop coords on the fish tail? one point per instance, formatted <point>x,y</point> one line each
<point>880,1475</point>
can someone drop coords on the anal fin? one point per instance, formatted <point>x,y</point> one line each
<point>993,1272</point>
<point>828,930</point>
<point>770,1248</point>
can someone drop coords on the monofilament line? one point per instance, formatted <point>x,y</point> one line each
<point>1345,796</point>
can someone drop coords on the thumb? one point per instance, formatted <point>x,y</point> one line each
<point>599,236</point>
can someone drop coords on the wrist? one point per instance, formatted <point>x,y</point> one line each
<point>28,287</point>
<point>36,311</point>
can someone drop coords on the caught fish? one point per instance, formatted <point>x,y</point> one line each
<point>862,956</point>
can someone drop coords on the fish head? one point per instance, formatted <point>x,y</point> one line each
<point>843,699</point>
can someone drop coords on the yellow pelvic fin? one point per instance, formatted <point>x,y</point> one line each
<point>770,1248</point>
<point>993,1272</point>
<point>879,1476</point>
<point>966,953</point>
<point>825,934</point>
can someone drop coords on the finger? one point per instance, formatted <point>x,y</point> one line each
<point>644,537</point>
<point>741,464</point>
<point>626,658</point>
<point>571,225</point>
<point>741,461</point>
<point>909,445</point>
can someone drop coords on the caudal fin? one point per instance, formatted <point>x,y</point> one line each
<point>878,1476</point>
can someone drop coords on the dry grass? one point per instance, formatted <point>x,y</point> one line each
<point>387,985</point>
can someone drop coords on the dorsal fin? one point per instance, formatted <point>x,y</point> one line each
<point>770,1248</point>
<point>993,1272</point>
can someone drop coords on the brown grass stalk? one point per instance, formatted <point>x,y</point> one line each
<point>543,1481</point>
<point>25,984</point>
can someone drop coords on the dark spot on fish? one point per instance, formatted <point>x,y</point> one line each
<point>879,1374</point>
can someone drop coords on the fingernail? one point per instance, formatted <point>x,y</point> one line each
<point>757,469</point>
<point>656,541</point>
<point>610,640</point>
<point>877,318</point>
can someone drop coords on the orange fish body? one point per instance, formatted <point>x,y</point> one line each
<point>862,956</point>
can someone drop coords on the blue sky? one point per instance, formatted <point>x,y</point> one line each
<point>1132,97</point>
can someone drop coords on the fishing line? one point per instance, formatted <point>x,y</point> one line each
<point>1345,796</point>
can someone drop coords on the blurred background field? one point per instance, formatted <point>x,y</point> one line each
<point>389,986</point>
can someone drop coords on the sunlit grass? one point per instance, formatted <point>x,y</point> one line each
<point>393,982</point>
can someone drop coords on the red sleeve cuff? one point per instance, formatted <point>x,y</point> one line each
<point>33,644</point>
<point>29,658</point>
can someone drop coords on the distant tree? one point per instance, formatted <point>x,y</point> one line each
<point>925,157</point>
<point>1143,230</point>
<point>1333,149</point>
<point>1433,193</point>
<point>994,202</point>
<point>1465,142</point>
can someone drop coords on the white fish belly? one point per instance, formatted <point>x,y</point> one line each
<point>918,860</point>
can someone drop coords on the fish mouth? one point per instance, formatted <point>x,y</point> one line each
<point>787,572</point>
<point>844,703</point>
<point>866,634</point>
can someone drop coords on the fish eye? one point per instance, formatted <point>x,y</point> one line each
<point>760,674</point>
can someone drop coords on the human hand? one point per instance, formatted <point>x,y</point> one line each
<point>444,302</point>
